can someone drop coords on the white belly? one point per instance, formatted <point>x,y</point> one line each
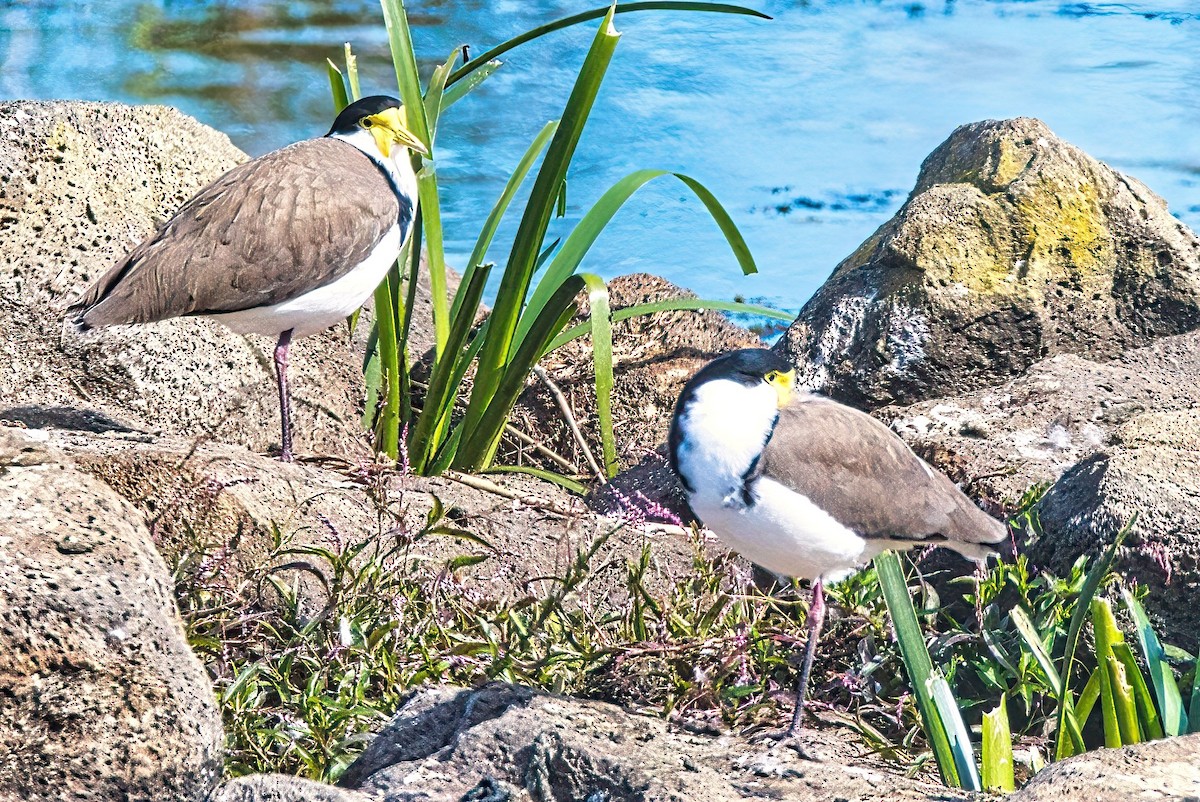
<point>321,308</point>
<point>783,532</point>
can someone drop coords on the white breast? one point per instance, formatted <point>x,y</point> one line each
<point>725,428</point>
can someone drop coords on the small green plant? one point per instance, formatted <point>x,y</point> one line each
<point>451,427</point>
<point>1042,614</point>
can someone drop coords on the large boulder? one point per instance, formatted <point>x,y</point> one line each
<point>512,743</point>
<point>100,696</point>
<point>80,185</point>
<point>1013,246</point>
<point>1151,470</point>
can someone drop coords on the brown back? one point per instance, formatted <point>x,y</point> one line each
<point>265,232</point>
<point>861,472</point>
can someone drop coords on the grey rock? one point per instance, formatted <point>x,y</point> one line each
<point>448,743</point>
<point>1159,770</point>
<point>1013,246</point>
<point>1151,470</point>
<point>282,788</point>
<point>80,185</point>
<point>100,696</point>
<point>1001,440</point>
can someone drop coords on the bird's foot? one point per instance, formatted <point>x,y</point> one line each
<point>799,741</point>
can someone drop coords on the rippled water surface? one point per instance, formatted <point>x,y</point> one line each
<point>810,127</point>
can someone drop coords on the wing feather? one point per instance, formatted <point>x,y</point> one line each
<point>265,232</point>
<point>862,473</point>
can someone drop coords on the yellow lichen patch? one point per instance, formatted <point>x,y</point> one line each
<point>1067,232</point>
<point>1012,160</point>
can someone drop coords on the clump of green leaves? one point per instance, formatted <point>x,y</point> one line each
<point>449,426</point>
<point>1029,655</point>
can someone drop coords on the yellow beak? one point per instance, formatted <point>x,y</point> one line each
<point>391,126</point>
<point>783,384</point>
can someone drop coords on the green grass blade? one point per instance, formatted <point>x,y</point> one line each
<point>444,380</point>
<point>527,244</point>
<point>1087,700</point>
<point>1147,713</point>
<point>488,233</point>
<point>388,426</point>
<point>587,16</point>
<point>337,86</point>
<point>1194,704</point>
<point>352,71</point>
<point>1029,634</point>
<point>460,89</point>
<point>916,660</point>
<point>1116,695</point>
<point>434,94</point>
<point>1170,701</point>
<point>997,753</point>
<point>956,729</point>
<point>584,235</point>
<point>431,229</point>
<point>575,487</point>
<point>602,359</point>
<point>1091,584</point>
<point>485,436</point>
<point>404,59</point>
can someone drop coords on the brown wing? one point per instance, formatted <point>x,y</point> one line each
<point>265,232</point>
<point>865,476</point>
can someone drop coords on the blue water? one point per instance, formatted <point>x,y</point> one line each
<point>810,127</point>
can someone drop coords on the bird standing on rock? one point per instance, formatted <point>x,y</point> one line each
<point>286,245</point>
<point>806,487</point>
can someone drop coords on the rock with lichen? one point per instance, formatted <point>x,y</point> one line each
<point>1013,246</point>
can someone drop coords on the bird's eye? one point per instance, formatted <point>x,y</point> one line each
<point>772,377</point>
<point>366,122</point>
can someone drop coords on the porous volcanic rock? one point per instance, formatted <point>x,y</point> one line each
<point>236,505</point>
<point>1151,470</point>
<point>282,788</point>
<point>1159,770</point>
<point>509,742</point>
<point>80,185</point>
<point>101,697</point>
<point>999,441</point>
<point>1013,246</point>
<point>653,357</point>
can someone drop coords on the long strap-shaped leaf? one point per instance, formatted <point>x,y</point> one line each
<point>439,398</point>
<point>404,59</point>
<point>596,13</point>
<point>584,234</point>
<point>1091,583</point>
<point>527,243</point>
<point>602,360</point>
<point>480,440</point>
<point>1170,701</point>
<point>916,659</point>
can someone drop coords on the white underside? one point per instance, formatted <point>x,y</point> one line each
<point>724,430</point>
<point>327,305</point>
<point>321,308</point>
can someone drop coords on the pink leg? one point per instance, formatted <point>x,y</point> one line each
<point>285,416</point>
<point>816,618</point>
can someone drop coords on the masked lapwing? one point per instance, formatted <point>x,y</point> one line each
<point>285,245</point>
<point>806,487</point>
